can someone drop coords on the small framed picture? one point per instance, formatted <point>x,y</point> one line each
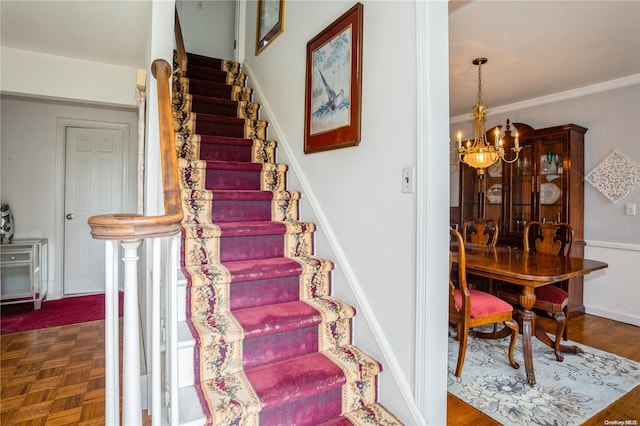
<point>334,84</point>
<point>270,22</point>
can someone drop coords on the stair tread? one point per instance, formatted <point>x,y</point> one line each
<point>271,319</point>
<point>372,414</point>
<point>281,317</point>
<point>295,378</point>
<point>258,269</point>
<point>282,266</point>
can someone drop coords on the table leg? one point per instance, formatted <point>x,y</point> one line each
<point>544,338</point>
<point>528,321</point>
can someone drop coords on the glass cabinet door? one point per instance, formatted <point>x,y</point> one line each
<point>494,193</point>
<point>551,185</point>
<point>522,182</point>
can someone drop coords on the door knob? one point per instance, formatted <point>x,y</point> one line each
<point>70,216</point>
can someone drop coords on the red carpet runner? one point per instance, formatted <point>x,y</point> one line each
<point>54,313</point>
<point>274,347</point>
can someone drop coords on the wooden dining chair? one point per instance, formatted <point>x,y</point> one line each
<point>470,308</point>
<point>550,238</point>
<point>480,231</point>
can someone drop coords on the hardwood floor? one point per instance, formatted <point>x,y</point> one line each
<point>55,376</point>
<point>607,335</point>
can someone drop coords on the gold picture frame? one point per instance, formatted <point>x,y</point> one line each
<point>270,22</point>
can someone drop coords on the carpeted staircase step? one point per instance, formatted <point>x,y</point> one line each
<point>232,241</point>
<point>277,332</point>
<point>217,206</point>
<point>215,125</point>
<point>215,63</point>
<point>223,148</point>
<point>216,106</point>
<point>217,175</point>
<point>183,85</point>
<point>260,282</point>
<point>214,75</point>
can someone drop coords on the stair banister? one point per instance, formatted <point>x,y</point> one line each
<point>182,53</point>
<point>130,230</point>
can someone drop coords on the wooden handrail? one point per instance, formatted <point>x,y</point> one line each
<point>129,226</point>
<point>182,53</point>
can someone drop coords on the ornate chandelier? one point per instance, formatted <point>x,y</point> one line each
<point>481,154</point>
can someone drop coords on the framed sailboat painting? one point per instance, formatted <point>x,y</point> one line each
<point>334,84</point>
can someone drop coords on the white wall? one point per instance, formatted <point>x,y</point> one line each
<point>208,26</point>
<point>365,221</point>
<point>610,111</point>
<point>30,165</point>
<point>46,76</point>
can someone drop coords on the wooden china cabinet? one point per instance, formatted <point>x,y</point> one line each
<point>545,184</point>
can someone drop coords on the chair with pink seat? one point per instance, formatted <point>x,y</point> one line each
<point>470,308</point>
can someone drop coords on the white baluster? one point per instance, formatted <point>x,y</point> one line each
<point>111,332</point>
<point>171,267</point>
<point>131,410</point>
<point>155,373</point>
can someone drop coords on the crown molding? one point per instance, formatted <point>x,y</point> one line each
<point>560,96</point>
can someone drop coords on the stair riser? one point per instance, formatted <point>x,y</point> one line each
<point>251,294</point>
<point>214,152</point>
<point>215,129</point>
<point>279,347</point>
<point>229,179</point>
<point>224,110</point>
<point>233,210</point>
<point>306,411</point>
<point>254,247</point>
<point>186,375</point>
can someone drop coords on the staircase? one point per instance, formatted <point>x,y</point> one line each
<point>268,343</point>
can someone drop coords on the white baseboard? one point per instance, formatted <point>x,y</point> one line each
<point>616,316</point>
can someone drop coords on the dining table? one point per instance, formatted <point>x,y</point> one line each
<point>528,270</point>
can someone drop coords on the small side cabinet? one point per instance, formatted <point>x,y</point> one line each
<point>23,272</point>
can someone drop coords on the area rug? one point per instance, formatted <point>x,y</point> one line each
<point>566,393</point>
<point>53,313</point>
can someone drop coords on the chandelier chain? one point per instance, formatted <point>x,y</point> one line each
<point>480,84</point>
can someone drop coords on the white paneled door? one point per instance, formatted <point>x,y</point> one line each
<point>93,186</point>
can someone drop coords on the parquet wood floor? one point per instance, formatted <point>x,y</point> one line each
<point>55,376</point>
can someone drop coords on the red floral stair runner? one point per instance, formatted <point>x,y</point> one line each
<point>273,346</point>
